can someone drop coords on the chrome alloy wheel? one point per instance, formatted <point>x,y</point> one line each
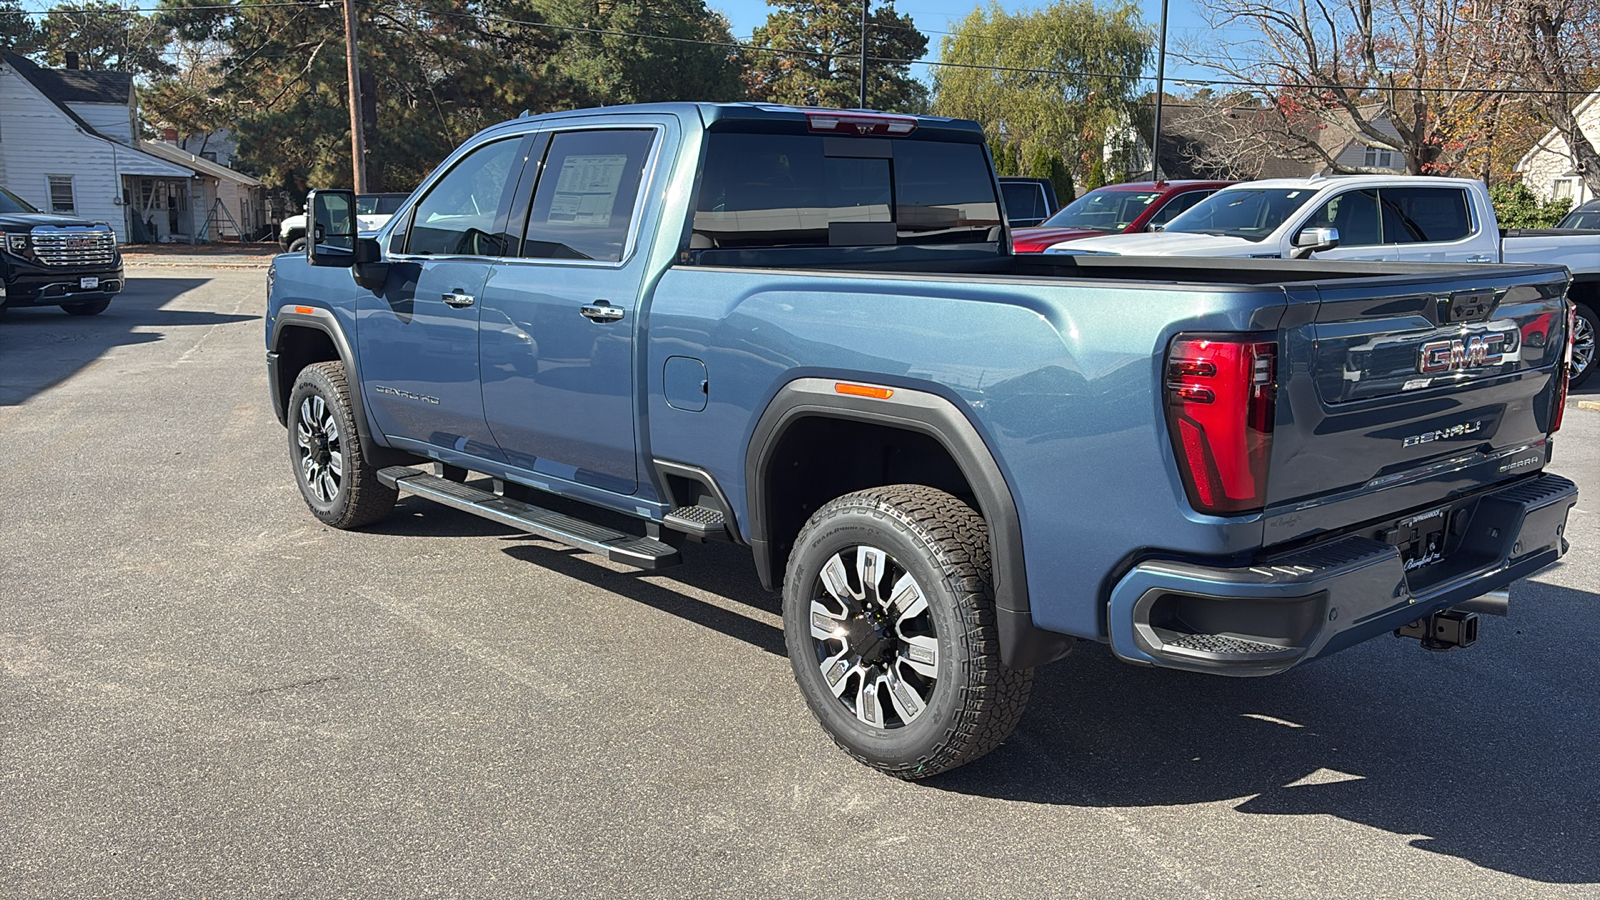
<point>1583,337</point>
<point>321,452</point>
<point>877,647</point>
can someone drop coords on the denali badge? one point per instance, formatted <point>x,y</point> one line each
<point>1454,355</point>
<point>1444,434</point>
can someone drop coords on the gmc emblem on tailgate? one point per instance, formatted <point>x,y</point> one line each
<point>1455,355</point>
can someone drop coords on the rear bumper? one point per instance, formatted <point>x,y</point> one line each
<point>1266,618</point>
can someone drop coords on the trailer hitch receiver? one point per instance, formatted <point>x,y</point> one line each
<point>1444,630</point>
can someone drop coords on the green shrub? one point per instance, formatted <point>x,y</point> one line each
<point>1515,206</point>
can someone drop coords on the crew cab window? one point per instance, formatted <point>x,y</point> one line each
<point>584,204</point>
<point>1417,214</point>
<point>457,216</point>
<point>1355,214</point>
<point>787,190</point>
<point>1176,207</point>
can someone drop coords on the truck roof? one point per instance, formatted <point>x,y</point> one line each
<point>1323,181</point>
<point>710,113</point>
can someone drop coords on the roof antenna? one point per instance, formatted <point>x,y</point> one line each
<point>525,114</point>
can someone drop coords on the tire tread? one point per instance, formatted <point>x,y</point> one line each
<point>994,696</point>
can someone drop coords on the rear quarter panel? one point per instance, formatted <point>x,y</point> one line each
<point>1060,377</point>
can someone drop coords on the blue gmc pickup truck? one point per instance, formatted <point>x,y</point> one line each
<point>803,331</point>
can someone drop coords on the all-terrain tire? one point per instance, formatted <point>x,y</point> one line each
<point>943,546</point>
<point>334,478</point>
<point>92,308</point>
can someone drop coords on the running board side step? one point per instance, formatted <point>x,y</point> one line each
<point>617,546</point>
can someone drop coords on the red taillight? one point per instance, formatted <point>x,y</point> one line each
<point>860,123</point>
<point>1220,393</point>
<point>1564,370</point>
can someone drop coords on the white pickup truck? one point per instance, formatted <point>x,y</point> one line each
<point>373,211</point>
<point>1369,217</point>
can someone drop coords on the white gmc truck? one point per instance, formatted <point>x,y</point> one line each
<point>1370,217</point>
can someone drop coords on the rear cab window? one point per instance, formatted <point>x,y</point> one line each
<point>1414,215</point>
<point>812,190</point>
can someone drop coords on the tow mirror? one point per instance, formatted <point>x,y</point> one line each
<point>1314,240</point>
<point>333,228</point>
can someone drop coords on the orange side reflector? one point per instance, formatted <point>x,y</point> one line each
<point>863,390</point>
<point>304,310</point>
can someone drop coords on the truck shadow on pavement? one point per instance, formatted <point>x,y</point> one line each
<point>41,347</point>
<point>714,568</point>
<point>1486,754</point>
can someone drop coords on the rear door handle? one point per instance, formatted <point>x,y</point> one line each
<point>1480,258</point>
<point>602,311</point>
<point>458,299</point>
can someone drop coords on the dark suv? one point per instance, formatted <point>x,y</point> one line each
<point>48,260</point>
<point>1586,217</point>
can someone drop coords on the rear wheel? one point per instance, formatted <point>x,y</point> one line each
<point>1583,344</point>
<point>334,478</point>
<point>890,628</point>
<point>92,308</point>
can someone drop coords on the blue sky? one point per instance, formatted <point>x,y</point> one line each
<point>938,17</point>
<point>935,17</point>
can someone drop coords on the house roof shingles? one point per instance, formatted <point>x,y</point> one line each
<point>41,80</point>
<point>85,85</point>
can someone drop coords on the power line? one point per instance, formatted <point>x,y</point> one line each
<point>818,54</point>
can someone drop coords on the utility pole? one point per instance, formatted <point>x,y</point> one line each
<point>358,141</point>
<point>864,53</point>
<point>1161,88</point>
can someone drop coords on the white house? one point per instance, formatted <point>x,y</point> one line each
<point>1549,169</point>
<point>69,143</point>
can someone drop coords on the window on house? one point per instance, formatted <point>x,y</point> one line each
<point>61,200</point>
<point>1379,158</point>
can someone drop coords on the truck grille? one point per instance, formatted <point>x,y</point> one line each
<point>65,247</point>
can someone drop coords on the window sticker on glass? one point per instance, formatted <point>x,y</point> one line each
<point>587,189</point>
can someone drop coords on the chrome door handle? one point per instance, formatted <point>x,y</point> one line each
<point>457,299</point>
<point>602,311</point>
<point>1480,258</point>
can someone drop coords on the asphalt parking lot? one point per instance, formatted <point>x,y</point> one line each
<point>204,692</point>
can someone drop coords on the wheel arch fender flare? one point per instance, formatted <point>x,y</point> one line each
<point>322,320</point>
<point>1022,644</point>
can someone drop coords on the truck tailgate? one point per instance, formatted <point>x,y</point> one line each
<point>1397,395</point>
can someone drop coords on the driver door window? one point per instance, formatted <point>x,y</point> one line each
<point>1355,214</point>
<point>458,217</point>
<point>1175,206</point>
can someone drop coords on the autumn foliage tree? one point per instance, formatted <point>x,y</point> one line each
<point>1063,78</point>
<point>1452,85</point>
<point>809,54</point>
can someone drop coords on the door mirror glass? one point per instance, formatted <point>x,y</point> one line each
<point>333,228</point>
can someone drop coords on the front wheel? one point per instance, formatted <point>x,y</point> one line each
<point>298,245</point>
<point>334,478</point>
<point>890,627</point>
